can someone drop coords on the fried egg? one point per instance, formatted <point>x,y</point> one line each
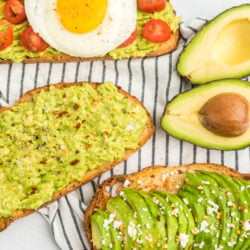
<point>84,28</point>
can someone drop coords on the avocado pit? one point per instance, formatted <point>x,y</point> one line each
<point>225,114</point>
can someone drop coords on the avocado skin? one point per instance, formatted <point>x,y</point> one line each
<point>181,116</point>
<point>186,55</point>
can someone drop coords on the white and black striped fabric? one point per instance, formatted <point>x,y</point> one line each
<point>155,82</point>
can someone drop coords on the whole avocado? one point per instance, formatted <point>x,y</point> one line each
<point>220,49</point>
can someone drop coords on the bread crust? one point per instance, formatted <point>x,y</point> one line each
<point>151,178</point>
<point>164,48</point>
<point>145,136</point>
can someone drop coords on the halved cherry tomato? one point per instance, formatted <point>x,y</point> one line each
<point>14,11</point>
<point>156,31</point>
<point>32,41</point>
<point>130,39</point>
<point>6,34</point>
<point>151,6</point>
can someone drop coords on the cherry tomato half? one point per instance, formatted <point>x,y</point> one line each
<point>156,31</point>
<point>14,11</point>
<point>151,6</point>
<point>32,41</point>
<point>130,39</point>
<point>6,34</point>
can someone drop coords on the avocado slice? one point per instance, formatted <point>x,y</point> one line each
<point>223,209</point>
<point>104,235</point>
<point>144,217</point>
<point>220,49</point>
<point>124,213</point>
<point>158,219</point>
<point>244,240</point>
<point>185,219</point>
<point>171,220</point>
<point>197,203</point>
<point>240,215</point>
<point>199,182</point>
<point>182,115</point>
<point>227,195</point>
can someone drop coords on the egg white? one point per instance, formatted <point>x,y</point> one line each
<point>119,22</point>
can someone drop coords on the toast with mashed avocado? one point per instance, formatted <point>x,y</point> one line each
<point>27,38</point>
<point>186,207</point>
<point>57,137</point>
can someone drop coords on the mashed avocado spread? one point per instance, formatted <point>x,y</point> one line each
<point>139,48</point>
<point>16,52</point>
<point>57,137</point>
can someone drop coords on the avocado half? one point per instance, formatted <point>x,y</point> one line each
<point>220,50</point>
<point>182,115</point>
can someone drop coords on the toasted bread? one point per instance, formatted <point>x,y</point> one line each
<point>164,48</point>
<point>90,174</point>
<point>164,178</point>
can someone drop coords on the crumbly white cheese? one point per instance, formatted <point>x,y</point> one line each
<point>246,225</point>
<point>183,240</point>
<point>132,231</point>
<point>230,244</point>
<point>126,183</point>
<point>203,226</point>
<point>205,182</point>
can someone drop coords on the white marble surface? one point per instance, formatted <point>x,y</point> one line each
<point>32,232</point>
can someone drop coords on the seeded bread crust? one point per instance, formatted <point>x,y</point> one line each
<point>163,178</point>
<point>145,136</point>
<point>164,48</point>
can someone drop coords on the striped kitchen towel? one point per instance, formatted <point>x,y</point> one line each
<point>154,81</point>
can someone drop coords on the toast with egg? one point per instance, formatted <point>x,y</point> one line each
<point>51,33</point>
<point>151,183</point>
<point>38,153</point>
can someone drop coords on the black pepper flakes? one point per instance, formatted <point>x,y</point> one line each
<point>76,106</point>
<point>74,162</point>
<point>78,125</point>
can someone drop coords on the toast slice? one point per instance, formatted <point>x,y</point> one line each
<point>168,15</point>
<point>160,178</point>
<point>164,48</point>
<point>144,136</point>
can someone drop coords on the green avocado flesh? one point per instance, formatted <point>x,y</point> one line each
<point>181,117</point>
<point>139,48</point>
<point>61,134</point>
<point>220,49</point>
<point>16,52</point>
<point>210,211</point>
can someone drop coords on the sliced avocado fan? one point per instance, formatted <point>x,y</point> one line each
<point>210,211</point>
<point>222,124</point>
<point>220,49</point>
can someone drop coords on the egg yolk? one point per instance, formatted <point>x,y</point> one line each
<point>81,16</point>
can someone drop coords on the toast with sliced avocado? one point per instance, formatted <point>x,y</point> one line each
<point>186,207</point>
<point>57,137</point>
<point>34,39</point>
